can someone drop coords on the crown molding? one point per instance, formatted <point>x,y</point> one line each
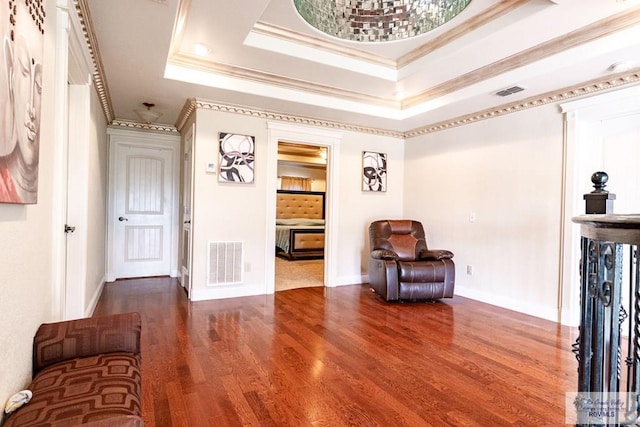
<point>591,32</point>
<point>584,89</point>
<point>594,31</point>
<point>194,62</point>
<point>194,104</point>
<point>271,30</point>
<point>187,110</point>
<point>144,126</point>
<point>588,88</point>
<point>491,13</point>
<point>457,31</point>
<point>98,74</point>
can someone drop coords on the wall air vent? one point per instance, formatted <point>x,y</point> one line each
<point>225,263</point>
<point>510,91</point>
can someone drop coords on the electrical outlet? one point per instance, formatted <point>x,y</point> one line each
<point>470,270</point>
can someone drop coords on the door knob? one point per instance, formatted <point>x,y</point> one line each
<point>69,229</point>
<point>122,219</point>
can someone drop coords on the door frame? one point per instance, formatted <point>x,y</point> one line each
<point>582,123</point>
<point>187,159</point>
<point>118,138</point>
<point>303,135</point>
<point>72,94</point>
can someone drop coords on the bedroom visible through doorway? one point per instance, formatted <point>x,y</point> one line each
<point>300,215</point>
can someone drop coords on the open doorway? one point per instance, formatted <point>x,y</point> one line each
<point>300,215</point>
<point>304,135</point>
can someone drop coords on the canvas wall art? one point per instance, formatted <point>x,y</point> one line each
<point>22,32</point>
<point>236,158</point>
<point>374,171</point>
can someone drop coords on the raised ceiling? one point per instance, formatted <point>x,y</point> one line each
<point>263,56</point>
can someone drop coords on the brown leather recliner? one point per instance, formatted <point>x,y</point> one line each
<point>401,267</point>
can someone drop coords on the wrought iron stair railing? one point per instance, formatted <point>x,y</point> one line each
<point>608,345</point>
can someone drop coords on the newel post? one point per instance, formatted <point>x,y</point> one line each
<point>608,345</point>
<point>599,201</point>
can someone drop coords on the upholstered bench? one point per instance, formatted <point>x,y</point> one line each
<point>85,372</point>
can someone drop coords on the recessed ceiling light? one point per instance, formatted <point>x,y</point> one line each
<point>399,94</point>
<point>201,49</point>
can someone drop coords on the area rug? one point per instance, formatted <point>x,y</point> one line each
<point>299,274</point>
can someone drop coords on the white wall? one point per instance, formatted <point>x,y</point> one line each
<point>30,253</point>
<point>359,208</point>
<point>508,172</point>
<point>25,264</point>
<point>237,212</point>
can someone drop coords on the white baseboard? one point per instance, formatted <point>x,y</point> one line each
<point>94,299</point>
<point>548,313</point>
<point>569,318</point>
<point>350,280</point>
<point>227,292</point>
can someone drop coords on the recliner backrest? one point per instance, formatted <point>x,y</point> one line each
<point>405,237</point>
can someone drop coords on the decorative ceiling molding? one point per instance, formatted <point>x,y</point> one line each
<point>99,78</point>
<point>576,38</point>
<point>588,88</point>
<point>457,31</point>
<point>594,31</point>
<point>203,104</point>
<point>534,101</point>
<point>187,110</point>
<point>145,126</point>
<point>195,62</point>
<point>329,46</point>
<point>591,32</point>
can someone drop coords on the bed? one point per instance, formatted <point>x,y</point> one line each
<point>300,224</point>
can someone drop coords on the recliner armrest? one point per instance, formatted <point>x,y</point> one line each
<point>435,254</point>
<point>384,254</point>
<point>61,341</point>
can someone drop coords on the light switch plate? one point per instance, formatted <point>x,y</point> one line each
<point>210,167</point>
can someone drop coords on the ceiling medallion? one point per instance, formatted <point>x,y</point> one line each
<point>378,20</point>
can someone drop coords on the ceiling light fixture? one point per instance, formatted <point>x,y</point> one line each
<point>147,115</point>
<point>378,20</point>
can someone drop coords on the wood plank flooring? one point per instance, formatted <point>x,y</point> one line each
<point>341,356</point>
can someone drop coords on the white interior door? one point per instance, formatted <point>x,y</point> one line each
<point>144,211</point>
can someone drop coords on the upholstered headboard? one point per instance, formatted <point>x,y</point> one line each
<point>300,204</point>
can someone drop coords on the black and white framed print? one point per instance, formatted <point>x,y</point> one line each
<point>236,160</point>
<point>374,171</point>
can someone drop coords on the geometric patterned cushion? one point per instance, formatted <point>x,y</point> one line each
<point>61,341</point>
<point>100,390</point>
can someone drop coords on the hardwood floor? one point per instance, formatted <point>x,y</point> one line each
<point>341,356</point>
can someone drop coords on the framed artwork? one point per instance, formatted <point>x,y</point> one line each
<point>22,33</point>
<point>236,158</point>
<point>374,171</point>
